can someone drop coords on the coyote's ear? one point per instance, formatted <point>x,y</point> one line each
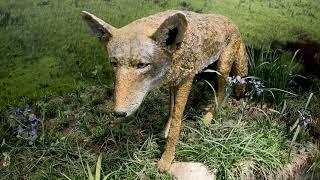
<point>100,28</point>
<point>170,34</point>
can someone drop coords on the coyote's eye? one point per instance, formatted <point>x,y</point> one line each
<point>114,64</point>
<point>142,65</point>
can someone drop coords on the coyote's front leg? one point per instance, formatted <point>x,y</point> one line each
<point>181,97</point>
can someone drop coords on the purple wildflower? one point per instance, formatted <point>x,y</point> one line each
<point>33,120</point>
<point>19,111</point>
<point>21,119</point>
<point>20,129</point>
<point>34,132</point>
<point>27,111</point>
<point>258,86</point>
<point>30,142</point>
<point>233,80</point>
<point>241,80</point>
<point>305,117</point>
<point>28,124</point>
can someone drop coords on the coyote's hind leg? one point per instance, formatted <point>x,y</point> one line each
<point>224,66</point>
<point>240,68</point>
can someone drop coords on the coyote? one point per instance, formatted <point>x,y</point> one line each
<point>170,47</point>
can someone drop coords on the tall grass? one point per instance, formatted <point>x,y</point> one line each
<point>275,70</point>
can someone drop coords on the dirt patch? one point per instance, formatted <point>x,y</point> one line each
<point>301,157</point>
<point>294,169</point>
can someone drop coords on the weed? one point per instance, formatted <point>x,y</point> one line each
<point>27,128</point>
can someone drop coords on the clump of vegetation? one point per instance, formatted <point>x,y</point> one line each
<point>131,147</point>
<point>28,122</point>
<point>225,145</point>
<point>275,70</point>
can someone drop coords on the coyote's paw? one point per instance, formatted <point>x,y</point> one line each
<point>207,118</point>
<point>164,165</point>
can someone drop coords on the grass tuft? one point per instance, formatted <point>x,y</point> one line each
<point>234,139</point>
<point>275,70</point>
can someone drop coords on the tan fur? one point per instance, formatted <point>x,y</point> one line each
<point>170,47</point>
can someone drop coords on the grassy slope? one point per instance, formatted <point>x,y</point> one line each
<point>37,31</point>
<point>77,128</point>
<point>74,131</point>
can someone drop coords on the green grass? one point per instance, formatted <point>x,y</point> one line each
<point>35,31</point>
<point>54,66</point>
<point>225,145</point>
<point>42,75</point>
<point>79,126</point>
<point>76,131</point>
<point>275,70</point>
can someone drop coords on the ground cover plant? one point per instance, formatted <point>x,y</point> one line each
<point>77,128</point>
<point>56,94</point>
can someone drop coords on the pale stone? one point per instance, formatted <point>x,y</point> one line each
<point>191,171</point>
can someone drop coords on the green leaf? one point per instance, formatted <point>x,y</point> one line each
<point>294,139</point>
<point>98,167</point>
<point>309,99</point>
<point>89,172</point>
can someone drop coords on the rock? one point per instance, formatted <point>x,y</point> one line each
<point>191,171</point>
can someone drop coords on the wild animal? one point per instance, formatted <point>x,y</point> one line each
<point>169,47</point>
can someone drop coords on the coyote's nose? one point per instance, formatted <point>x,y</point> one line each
<point>120,114</point>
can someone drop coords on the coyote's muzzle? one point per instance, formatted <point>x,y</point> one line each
<point>128,96</point>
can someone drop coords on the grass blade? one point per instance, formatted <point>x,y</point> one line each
<point>294,139</point>
<point>98,168</point>
<point>309,99</point>
<point>65,176</point>
<point>90,176</point>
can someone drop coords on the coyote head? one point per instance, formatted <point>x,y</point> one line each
<point>140,54</point>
